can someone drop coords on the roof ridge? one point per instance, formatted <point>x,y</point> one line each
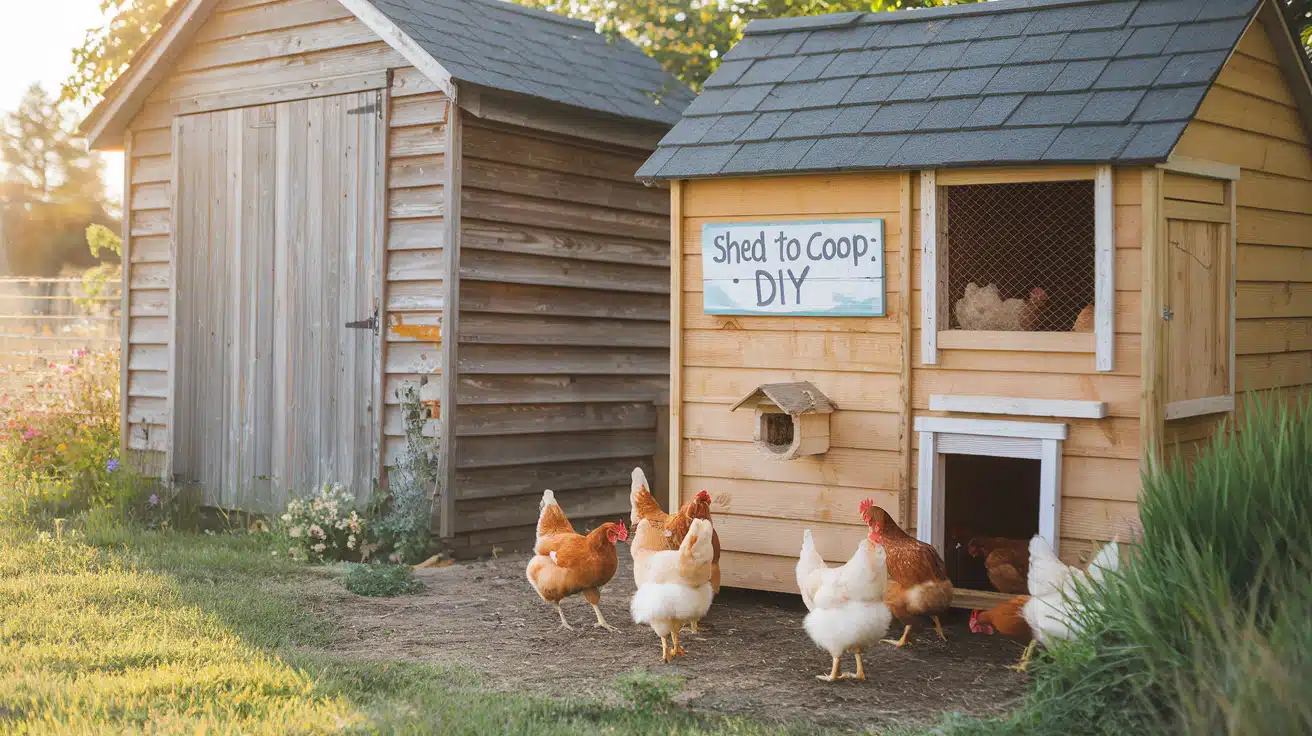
<point>768,26</point>
<point>537,13</point>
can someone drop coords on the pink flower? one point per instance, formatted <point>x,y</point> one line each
<point>67,370</point>
<point>30,434</point>
<point>80,353</point>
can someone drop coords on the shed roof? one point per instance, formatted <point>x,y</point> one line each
<point>509,47</point>
<point>487,43</point>
<point>998,83</point>
<point>797,397</point>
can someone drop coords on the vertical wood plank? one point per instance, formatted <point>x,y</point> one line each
<point>1050,493</point>
<point>376,206</point>
<point>125,300</point>
<point>171,404</point>
<point>282,296</point>
<point>1154,349</point>
<point>905,213</point>
<point>929,267</point>
<point>450,317</point>
<point>676,343</point>
<point>925,487</point>
<point>1232,194</point>
<point>1105,266</point>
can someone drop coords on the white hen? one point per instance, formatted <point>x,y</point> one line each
<point>846,604</point>
<point>1054,611</point>
<point>677,587</point>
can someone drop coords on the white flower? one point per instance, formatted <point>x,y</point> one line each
<point>287,517</point>
<point>341,524</point>
<point>350,542</point>
<point>294,532</point>
<point>316,531</point>
<point>318,548</point>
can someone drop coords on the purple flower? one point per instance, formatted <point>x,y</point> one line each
<point>154,500</point>
<point>112,465</point>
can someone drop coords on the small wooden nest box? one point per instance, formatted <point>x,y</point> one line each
<point>792,419</point>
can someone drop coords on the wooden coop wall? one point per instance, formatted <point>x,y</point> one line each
<point>1100,457</point>
<point>564,329</point>
<point>762,505</point>
<point>280,47</point>
<point>1249,119</point>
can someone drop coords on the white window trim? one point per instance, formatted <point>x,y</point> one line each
<point>1016,406</point>
<point>940,436</point>
<point>934,267</point>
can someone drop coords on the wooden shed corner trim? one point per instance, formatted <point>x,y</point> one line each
<point>404,45</point>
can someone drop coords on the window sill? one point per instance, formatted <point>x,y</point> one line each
<point>1036,342</point>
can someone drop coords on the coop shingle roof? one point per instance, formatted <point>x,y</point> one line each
<point>509,47</point>
<point>1003,82</point>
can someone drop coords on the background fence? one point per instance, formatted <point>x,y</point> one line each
<point>44,322</point>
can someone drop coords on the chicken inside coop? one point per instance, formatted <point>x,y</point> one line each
<point>989,502</point>
<point>1020,257</point>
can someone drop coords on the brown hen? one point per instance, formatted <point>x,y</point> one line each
<point>918,582</point>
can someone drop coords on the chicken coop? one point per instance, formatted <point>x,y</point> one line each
<point>329,200</point>
<point>1022,247</point>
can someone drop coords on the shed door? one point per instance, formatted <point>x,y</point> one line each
<point>277,251</point>
<point>1199,289</point>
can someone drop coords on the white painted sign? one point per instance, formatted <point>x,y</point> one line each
<point>830,268</point>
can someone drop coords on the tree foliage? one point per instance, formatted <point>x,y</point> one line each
<point>53,188</point>
<point>105,51</point>
<point>688,37</point>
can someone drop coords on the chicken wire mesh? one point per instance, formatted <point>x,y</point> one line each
<point>1020,257</point>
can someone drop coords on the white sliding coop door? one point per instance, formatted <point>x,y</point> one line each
<point>275,375</point>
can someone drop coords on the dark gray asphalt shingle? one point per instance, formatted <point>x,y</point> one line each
<point>509,47</point>
<point>997,83</point>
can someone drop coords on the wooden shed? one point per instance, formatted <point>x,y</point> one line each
<point>1022,245</point>
<point>328,199</point>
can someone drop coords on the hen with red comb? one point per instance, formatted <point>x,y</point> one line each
<point>656,531</point>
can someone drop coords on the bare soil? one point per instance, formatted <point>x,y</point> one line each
<point>752,657</point>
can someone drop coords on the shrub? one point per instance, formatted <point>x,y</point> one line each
<point>648,692</point>
<point>1206,629</point>
<point>325,526</point>
<point>381,580</point>
<point>402,529</point>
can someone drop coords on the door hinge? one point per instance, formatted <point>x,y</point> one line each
<point>365,324</point>
<point>365,109</point>
<point>1167,314</point>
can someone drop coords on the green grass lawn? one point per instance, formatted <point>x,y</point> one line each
<point>147,632</point>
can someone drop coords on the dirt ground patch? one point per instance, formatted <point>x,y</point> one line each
<point>752,657</point>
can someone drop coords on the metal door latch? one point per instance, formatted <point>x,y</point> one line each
<point>1167,314</point>
<point>365,324</point>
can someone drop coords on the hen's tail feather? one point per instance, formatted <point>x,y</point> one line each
<point>642,504</point>
<point>1107,560</point>
<point>1047,572</point>
<point>551,519</point>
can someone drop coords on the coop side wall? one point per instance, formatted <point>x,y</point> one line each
<point>762,505</point>
<point>249,44</point>
<point>1249,119</point>
<point>564,330</point>
<point>1100,458</point>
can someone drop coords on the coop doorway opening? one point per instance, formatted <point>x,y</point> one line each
<point>777,431</point>
<point>986,496</point>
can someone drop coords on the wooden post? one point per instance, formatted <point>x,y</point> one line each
<point>661,459</point>
<point>929,268</point>
<point>1152,404</point>
<point>904,385</point>
<point>451,192</point>
<point>676,344</point>
<point>125,301</point>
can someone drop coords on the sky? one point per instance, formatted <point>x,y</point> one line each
<point>36,42</point>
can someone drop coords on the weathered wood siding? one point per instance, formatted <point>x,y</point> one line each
<point>1249,119</point>
<point>1100,458</point>
<point>564,328</point>
<point>762,505</point>
<point>272,45</point>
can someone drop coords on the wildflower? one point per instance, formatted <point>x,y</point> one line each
<point>61,447</point>
<point>294,532</point>
<point>164,524</point>
<point>286,517</point>
<point>154,500</point>
<point>318,548</point>
<point>273,553</point>
<point>340,525</point>
<point>80,353</point>
<point>350,542</point>
<point>316,531</point>
<point>67,370</point>
<point>111,466</point>
<point>31,434</point>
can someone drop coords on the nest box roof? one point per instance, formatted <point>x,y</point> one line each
<point>800,397</point>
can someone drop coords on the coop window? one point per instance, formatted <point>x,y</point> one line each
<point>1020,256</point>
<point>1029,253</point>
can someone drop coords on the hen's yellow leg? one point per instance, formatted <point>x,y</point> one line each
<point>938,626</point>
<point>860,669</point>
<point>899,642</point>
<point>561,611</point>
<point>833,673</point>
<point>1024,664</point>
<point>677,649</point>
<point>601,620</point>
